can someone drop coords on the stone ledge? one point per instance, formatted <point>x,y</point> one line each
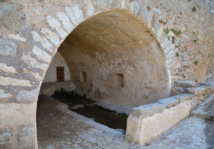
<point>49,88</point>
<point>201,92</point>
<point>185,84</point>
<point>158,107</point>
<point>114,107</point>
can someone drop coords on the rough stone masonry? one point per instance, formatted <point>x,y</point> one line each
<point>32,31</point>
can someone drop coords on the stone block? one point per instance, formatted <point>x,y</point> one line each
<point>5,138</point>
<point>143,130</point>
<point>16,114</point>
<point>26,137</point>
<point>185,84</point>
<point>148,110</point>
<point>169,102</point>
<point>27,96</point>
<point>7,48</point>
<point>197,91</point>
<point>12,17</point>
<point>176,91</point>
<point>184,97</point>
<point>7,69</point>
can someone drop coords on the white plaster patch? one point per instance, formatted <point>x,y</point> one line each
<point>33,62</point>
<point>54,23</point>
<point>5,68</point>
<point>75,14</point>
<point>4,95</point>
<point>42,55</point>
<point>17,37</point>
<point>65,21</point>
<point>53,37</point>
<point>5,81</point>
<point>27,96</point>
<point>45,43</point>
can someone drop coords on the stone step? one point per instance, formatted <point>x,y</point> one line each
<point>205,109</point>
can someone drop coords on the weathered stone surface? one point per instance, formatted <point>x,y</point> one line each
<point>114,107</point>
<point>44,42</point>
<point>4,95</point>
<point>183,97</point>
<point>156,124</point>
<point>95,47</point>
<point>12,18</point>
<point>27,96</point>
<point>33,62</point>
<point>52,36</point>
<point>169,102</point>
<point>42,55</point>
<point>198,90</point>
<point>185,84</point>
<point>16,37</point>
<point>54,23</point>
<point>7,69</point>
<point>36,75</point>
<point>26,137</point>
<point>176,91</point>
<point>65,21</point>
<point>148,110</point>
<point>13,114</point>
<point>205,109</point>
<point>89,8</point>
<point>195,41</point>
<point>7,48</point>
<point>49,88</point>
<point>5,138</point>
<point>6,81</point>
<point>75,13</point>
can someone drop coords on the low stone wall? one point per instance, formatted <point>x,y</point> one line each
<point>49,88</point>
<point>147,122</point>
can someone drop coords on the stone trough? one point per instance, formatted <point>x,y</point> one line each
<point>147,122</point>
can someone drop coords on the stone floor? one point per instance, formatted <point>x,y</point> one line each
<point>61,128</point>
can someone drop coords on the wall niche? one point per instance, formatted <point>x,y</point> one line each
<point>83,76</point>
<point>118,80</point>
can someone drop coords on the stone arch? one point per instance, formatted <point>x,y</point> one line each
<point>29,53</point>
<point>117,42</point>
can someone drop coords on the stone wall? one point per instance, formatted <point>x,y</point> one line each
<point>49,88</point>
<point>51,74</point>
<point>32,31</point>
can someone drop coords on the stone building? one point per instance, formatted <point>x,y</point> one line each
<point>128,52</point>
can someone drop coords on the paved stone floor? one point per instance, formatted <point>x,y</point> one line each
<point>61,128</point>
